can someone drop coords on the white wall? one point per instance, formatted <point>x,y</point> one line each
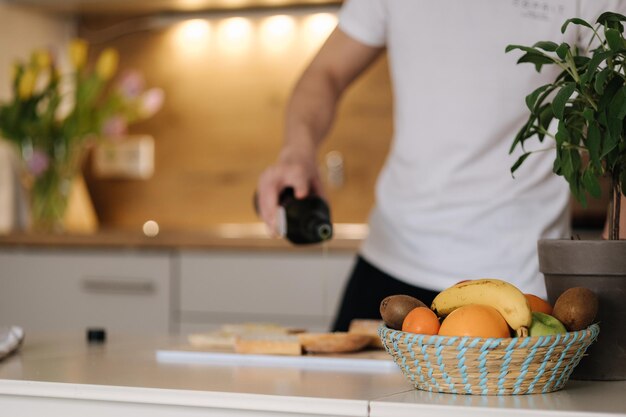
<point>21,31</point>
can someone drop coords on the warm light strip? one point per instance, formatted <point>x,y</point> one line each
<point>165,20</point>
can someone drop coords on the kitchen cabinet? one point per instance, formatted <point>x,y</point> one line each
<point>165,288</point>
<point>59,290</point>
<point>292,289</point>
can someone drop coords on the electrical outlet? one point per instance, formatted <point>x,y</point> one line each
<point>131,157</point>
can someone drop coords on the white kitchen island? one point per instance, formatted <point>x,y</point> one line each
<point>64,376</point>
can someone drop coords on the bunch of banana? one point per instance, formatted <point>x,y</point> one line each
<point>504,297</point>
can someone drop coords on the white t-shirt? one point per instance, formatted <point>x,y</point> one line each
<point>447,208</point>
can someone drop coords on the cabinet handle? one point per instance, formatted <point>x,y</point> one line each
<point>119,286</point>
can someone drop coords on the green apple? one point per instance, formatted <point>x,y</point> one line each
<point>544,324</point>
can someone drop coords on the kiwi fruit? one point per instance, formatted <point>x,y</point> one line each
<point>576,308</point>
<point>393,309</point>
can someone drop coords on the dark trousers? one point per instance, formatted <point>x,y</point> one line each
<point>366,288</point>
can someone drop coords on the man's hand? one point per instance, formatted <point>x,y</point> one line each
<point>301,173</point>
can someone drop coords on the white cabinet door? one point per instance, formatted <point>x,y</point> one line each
<point>289,288</point>
<point>57,290</point>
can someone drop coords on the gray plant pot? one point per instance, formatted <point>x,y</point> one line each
<point>600,266</point>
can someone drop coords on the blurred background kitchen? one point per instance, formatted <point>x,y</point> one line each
<point>162,236</point>
<point>226,70</point>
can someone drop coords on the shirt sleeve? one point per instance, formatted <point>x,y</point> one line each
<point>365,21</point>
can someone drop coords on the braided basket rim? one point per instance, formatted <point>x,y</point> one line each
<point>433,369</point>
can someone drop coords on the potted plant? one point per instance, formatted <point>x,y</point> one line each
<point>584,111</point>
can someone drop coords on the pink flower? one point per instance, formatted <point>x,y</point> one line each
<point>38,162</point>
<point>150,102</point>
<point>114,127</point>
<point>131,84</point>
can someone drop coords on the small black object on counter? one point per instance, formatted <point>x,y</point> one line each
<point>96,335</point>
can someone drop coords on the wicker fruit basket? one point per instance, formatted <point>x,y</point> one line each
<point>478,366</point>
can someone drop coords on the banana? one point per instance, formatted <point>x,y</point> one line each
<point>504,297</point>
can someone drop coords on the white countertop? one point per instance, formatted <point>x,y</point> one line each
<point>66,376</point>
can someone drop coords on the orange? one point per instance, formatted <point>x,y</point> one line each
<point>538,304</point>
<point>475,320</point>
<point>421,320</point>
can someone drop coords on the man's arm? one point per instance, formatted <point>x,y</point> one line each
<point>310,114</point>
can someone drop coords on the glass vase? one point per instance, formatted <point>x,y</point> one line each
<point>48,182</point>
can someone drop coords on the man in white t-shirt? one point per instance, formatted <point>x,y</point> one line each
<point>446,208</point>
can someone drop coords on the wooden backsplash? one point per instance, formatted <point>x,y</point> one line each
<point>222,124</point>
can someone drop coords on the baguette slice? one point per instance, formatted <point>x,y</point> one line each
<point>368,327</point>
<point>212,340</point>
<point>268,344</point>
<point>338,342</point>
<point>254,328</point>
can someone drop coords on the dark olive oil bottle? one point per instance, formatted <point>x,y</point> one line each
<point>303,221</point>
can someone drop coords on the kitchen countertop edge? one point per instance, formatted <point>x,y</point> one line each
<point>347,238</point>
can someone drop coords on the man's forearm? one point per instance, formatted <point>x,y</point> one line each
<point>310,114</point>
<point>311,109</point>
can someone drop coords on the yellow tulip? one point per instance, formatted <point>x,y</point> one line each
<point>41,59</point>
<point>27,83</point>
<point>107,63</point>
<point>78,53</point>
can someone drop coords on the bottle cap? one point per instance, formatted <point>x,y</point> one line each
<point>96,335</point>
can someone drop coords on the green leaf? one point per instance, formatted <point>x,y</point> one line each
<point>546,46</point>
<point>531,99</point>
<point>592,66</point>
<point>607,17</point>
<point>574,186</point>
<point>571,172</point>
<point>562,134</point>
<point>618,104</point>
<point>562,50</point>
<point>567,166</point>
<point>576,21</point>
<point>524,133</point>
<point>534,58</point>
<point>510,48</point>
<point>594,144</point>
<point>519,162</point>
<point>601,80</point>
<point>545,117</point>
<point>591,183</point>
<point>610,90</point>
<point>576,134</point>
<point>556,167</point>
<point>614,39</point>
<point>611,138</point>
<point>581,61</point>
<point>561,98</point>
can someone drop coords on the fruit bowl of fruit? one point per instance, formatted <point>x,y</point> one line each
<point>486,337</point>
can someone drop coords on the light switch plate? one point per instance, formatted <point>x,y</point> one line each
<point>131,157</point>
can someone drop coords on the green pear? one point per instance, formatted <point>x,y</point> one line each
<point>544,324</point>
